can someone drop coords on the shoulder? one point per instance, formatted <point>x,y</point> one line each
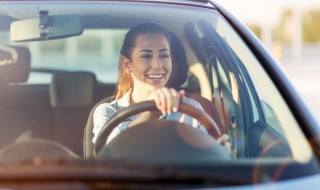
<point>106,108</point>
<point>109,108</point>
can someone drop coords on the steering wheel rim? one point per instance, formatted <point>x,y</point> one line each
<point>134,109</point>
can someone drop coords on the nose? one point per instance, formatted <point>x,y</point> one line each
<point>156,63</point>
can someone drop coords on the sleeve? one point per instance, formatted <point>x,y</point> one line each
<point>102,115</point>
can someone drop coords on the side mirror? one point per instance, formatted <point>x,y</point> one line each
<point>46,27</point>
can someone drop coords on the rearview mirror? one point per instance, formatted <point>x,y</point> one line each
<point>46,27</point>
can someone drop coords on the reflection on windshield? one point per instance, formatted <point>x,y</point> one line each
<point>223,77</point>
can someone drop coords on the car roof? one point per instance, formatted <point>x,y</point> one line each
<point>11,7</point>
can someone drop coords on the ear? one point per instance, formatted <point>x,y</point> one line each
<point>126,63</point>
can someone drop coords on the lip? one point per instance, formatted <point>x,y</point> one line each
<point>156,76</point>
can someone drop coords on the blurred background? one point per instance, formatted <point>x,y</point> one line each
<point>290,30</point>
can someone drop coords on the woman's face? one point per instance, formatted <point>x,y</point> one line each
<point>151,63</point>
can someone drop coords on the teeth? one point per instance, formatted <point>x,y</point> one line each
<point>155,76</point>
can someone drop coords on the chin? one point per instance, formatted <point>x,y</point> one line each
<point>155,87</point>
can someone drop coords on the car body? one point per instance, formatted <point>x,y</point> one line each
<point>59,59</point>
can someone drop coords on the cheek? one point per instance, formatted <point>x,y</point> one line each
<point>168,68</point>
<point>139,67</point>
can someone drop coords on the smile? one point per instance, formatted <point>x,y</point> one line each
<point>158,76</point>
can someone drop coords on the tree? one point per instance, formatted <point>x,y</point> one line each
<point>311,26</point>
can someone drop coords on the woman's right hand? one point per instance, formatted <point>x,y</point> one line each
<point>167,99</point>
<point>224,140</point>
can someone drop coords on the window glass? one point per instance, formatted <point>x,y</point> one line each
<point>247,97</point>
<point>95,50</point>
<point>274,108</point>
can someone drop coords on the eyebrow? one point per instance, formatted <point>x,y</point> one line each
<point>148,50</point>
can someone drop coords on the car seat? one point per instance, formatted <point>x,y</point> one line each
<point>71,97</point>
<point>14,125</point>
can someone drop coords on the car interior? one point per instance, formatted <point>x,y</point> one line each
<point>15,123</point>
<point>52,80</point>
<point>46,111</point>
<point>205,66</point>
<point>176,80</point>
<point>59,61</point>
<point>69,100</point>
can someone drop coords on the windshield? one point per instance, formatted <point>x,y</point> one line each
<point>59,70</point>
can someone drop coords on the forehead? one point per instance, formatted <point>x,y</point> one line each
<point>152,41</point>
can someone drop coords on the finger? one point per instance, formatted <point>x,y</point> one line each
<point>163,101</point>
<point>224,141</point>
<point>155,96</point>
<point>227,146</point>
<point>175,100</point>
<point>182,93</point>
<point>172,99</point>
<point>223,138</point>
<point>169,99</point>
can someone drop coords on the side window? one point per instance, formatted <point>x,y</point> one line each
<point>255,114</point>
<point>268,110</point>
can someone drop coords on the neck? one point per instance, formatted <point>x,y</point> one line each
<point>139,95</point>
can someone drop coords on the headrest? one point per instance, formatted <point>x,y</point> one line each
<point>179,64</point>
<point>72,89</point>
<point>14,63</point>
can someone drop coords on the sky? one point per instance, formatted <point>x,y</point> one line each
<point>255,11</point>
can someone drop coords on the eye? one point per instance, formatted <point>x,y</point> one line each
<point>146,56</point>
<point>164,56</point>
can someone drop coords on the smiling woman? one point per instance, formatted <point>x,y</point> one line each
<point>177,96</point>
<point>145,67</point>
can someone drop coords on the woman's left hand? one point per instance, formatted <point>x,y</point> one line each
<point>167,99</point>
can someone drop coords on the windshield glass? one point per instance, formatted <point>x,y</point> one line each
<point>66,86</point>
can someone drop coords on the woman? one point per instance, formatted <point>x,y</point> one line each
<point>144,69</point>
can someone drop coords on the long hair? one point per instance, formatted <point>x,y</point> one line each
<point>125,79</point>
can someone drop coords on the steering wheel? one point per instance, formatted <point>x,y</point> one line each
<point>134,109</point>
